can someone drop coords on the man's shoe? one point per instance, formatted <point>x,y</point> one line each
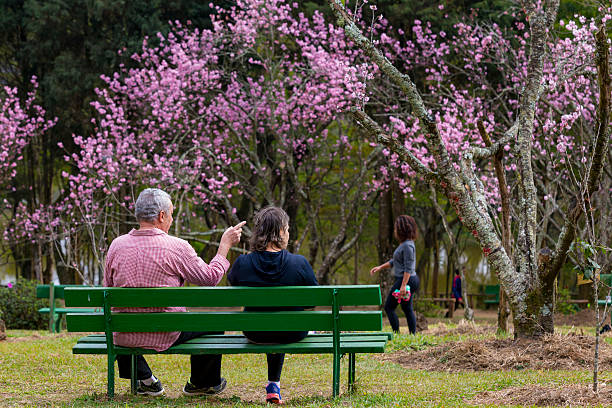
<point>273,395</point>
<point>190,389</point>
<point>154,389</point>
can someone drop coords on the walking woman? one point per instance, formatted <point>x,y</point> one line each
<point>270,264</point>
<point>403,263</point>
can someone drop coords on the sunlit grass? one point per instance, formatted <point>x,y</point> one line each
<point>43,372</point>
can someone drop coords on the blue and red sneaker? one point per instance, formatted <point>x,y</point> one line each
<point>273,395</point>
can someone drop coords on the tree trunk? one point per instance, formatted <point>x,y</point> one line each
<point>424,261</point>
<point>385,237</point>
<point>356,266</point>
<point>503,312</point>
<point>527,316</point>
<point>37,271</point>
<point>549,293</point>
<point>2,330</point>
<point>436,265</point>
<point>291,207</point>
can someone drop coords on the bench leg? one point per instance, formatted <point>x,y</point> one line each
<point>58,323</point>
<point>111,376</point>
<point>52,322</point>
<point>133,373</point>
<point>336,375</point>
<point>351,372</point>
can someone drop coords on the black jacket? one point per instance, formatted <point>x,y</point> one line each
<point>264,268</point>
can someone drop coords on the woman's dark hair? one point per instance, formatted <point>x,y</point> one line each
<point>405,228</point>
<point>269,222</point>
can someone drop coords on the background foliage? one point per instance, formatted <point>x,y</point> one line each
<point>19,306</point>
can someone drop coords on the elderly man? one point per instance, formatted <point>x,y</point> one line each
<point>149,257</point>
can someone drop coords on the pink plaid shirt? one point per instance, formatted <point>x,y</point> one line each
<point>151,258</point>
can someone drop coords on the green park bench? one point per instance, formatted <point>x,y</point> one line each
<point>56,313</point>
<point>606,279</point>
<point>332,320</point>
<point>491,295</point>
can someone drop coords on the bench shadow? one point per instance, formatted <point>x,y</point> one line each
<point>134,400</point>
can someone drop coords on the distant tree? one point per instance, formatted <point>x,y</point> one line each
<point>23,126</point>
<point>229,120</point>
<point>68,45</point>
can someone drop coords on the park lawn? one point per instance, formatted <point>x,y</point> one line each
<point>39,369</point>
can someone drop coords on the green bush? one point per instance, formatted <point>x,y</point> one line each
<point>20,306</point>
<point>428,308</point>
<point>563,295</point>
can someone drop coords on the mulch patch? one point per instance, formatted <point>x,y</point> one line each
<point>552,352</point>
<point>463,327</point>
<point>566,395</point>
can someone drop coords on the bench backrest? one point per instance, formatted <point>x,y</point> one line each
<point>606,278</point>
<point>43,291</point>
<point>491,290</point>
<point>333,297</point>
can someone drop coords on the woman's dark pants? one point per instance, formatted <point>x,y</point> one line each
<point>391,304</point>
<point>275,360</point>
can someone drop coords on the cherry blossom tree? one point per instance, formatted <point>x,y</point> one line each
<point>22,126</point>
<point>229,120</point>
<point>524,124</point>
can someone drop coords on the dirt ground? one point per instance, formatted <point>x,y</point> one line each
<point>573,351</point>
<point>553,352</point>
<point>585,317</point>
<point>578,395</point>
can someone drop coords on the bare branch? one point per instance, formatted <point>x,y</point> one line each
<point>493,148</point>
<point>600,152</point>
<point>406,155</point>
<point>403,81</point>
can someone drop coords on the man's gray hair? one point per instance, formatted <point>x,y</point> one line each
<point>150,203</point>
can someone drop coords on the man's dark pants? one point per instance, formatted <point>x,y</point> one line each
<point>205,368</point>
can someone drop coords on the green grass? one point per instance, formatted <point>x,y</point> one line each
<point>42,371</point>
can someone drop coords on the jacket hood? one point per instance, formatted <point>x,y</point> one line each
<point>270,266</point>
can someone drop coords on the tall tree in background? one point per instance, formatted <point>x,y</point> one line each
<point>23,127</point>
<point>229,120</point>
<point>451,167</point>
<point>67,45</point>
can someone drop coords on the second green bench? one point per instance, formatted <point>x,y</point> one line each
<point>57,313</point>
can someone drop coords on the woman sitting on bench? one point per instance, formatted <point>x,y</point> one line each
<point>270,264</point>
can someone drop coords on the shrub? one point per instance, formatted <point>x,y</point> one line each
<point>20,306</point>
<point>428,308</point>
<point>562,306</point>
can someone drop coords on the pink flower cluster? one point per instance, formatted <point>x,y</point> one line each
<point>212,114</point>
<point>477,74</point>
<point>20,121</point>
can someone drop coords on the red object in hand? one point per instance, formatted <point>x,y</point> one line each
<point>396,294</point>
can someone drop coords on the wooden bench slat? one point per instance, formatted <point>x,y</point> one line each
<point>221,296</point>
<point>65,310</point>
<point>42,291</point>
<point>240,339</point>
<point>55,318</point>
<point>229,348</point>
<point>225,321</point>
